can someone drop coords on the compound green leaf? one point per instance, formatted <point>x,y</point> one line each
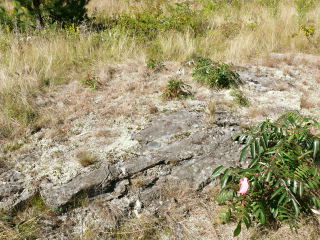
<point>277,192</point>
<point>237,231</point>
<point>216,172</point>
<point>243,153</point>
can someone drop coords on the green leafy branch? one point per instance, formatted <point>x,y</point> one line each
<point>283,173</point>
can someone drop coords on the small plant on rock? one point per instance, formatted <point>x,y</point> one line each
<point>281,182</point>
<point>240,98</point>
<point>308,31</point>
<point>155,65</point>
<point>86,158</point>
<point>215,74</point>
<point>176,89</point>
<point>92,81</point>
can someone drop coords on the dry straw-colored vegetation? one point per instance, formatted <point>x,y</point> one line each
<point>35,61</point>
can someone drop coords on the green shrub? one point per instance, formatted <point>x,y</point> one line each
<point>283,173</point>
<point>240,98</point>
<point>4,18</point>
<point>145,24</point>
<point>40,12</point>
<point>215,74</point>
<point>176,89</point>
<point>66,11</point>
<point>210,6</point>
<point>308,31</point>
<point>91,80</point>
<point>148,24</point>
<point>155,65</point>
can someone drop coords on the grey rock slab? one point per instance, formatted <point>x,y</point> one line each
<point>120,190</point>
<point>140,164</point>
<point>169,124</point>
<point>95,182</point>
<point>12,189</point>
<point>197,171</point>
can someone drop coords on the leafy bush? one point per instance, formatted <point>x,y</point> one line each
<point>4,18</point>
<point>39,11</point>
<point>215,74</point>
<point>240,98</point>
<point>66,11</point>
<point>92,81</point>
<point>155,65</point>
<point>308,31</point>
<point>176,89</point>
<point>283,175</point>
<point>145,24</point>
<point>148,24</point>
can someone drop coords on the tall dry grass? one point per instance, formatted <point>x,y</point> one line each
<point>34,62</point>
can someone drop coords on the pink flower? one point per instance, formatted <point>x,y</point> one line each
<point>244,186</point>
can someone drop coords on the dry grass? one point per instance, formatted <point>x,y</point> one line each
<point>31,64</point>
<point>306,102</point>
<point>24,223</point>
<point>318,79</point>
<point>153,109</point>
<point>255,113</point>
<point>86,158</point>
<point>280,87</point>
<point>185,214</point>
<point>105,134</point>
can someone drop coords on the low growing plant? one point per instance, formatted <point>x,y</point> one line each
<point>281,182</point>
<point>86,158</point>
<point>239,97</point>
<point>149,23</point>
<point>155,65</point>
<point>215,74</point>
<point>91,80</point>
<point>308,31</point>
<point>176,89</point>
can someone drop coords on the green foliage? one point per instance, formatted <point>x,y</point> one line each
<point>308,30</point>
<point>216,6</point>
<point>176,89</point>
<point>155,65</point>
<point>148,24</point>
<point>4,18</point>
<point>283,173</point>
<point>303,7</point>
<point>240,98</point>
<point>91,80</point>
<point>215,74</point>
<point>66,11</point>
<point>143,24</point>
<point>39,12</point>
